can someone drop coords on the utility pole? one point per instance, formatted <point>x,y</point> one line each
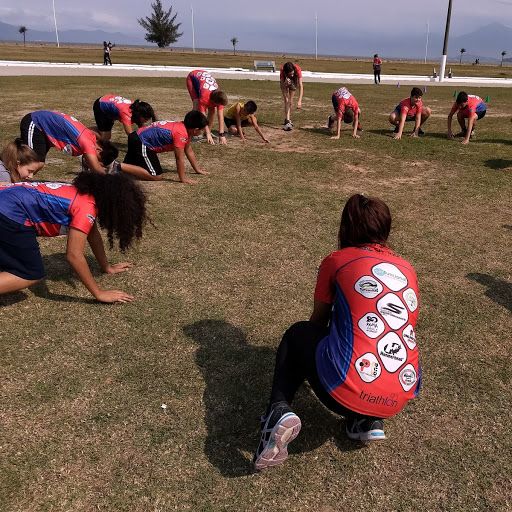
<point>445,45</point>
<point>55,21</point>
<point>316,36</point>
<point>193,32</point>
<point>426,44</point>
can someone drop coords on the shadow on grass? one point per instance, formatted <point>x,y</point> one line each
<point>498,290</point>
<point>386,132</point>
<point>498,163</point>
<point>507,226</point>
<point>10,299</point>
<point>491,141</point>
<point>321,130</point>
<point>237,383</point>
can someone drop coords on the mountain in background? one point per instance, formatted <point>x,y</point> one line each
<point>485,43</point>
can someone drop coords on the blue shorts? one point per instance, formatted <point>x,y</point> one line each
<point>19,250</point>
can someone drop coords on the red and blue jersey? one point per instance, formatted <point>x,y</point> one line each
<point>343,99</point>
<point>369,361</point>
<point>475,105</point>
<point>164,136</point>
<point>200,85</point>
<point>48,207</point>
<point>65,132</point>
<point>117,108</point>
<point>406,107</point>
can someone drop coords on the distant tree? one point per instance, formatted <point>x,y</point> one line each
<point>462,50</point>
<point>23,30</point>
<point>503,53</point>
<point>234,42</point>
<point>160,27</point>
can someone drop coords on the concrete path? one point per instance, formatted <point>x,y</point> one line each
<point>19,68</point>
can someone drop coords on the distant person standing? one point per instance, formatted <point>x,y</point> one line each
<point>377,63</point>
<point>106,54</point>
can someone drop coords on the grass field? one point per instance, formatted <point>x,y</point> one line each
<point>230,263</point>
<point>169,57</point>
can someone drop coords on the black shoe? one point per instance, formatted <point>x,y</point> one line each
<point>365,430</point>
<point>421,132</point>
<point>395,130</point>
<point>278,428</point>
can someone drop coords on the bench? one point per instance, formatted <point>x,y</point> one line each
<point>264,64</point>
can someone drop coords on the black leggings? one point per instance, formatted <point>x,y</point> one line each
<point>296,362</point>
<point>376,76</point>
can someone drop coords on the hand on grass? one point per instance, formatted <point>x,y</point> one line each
<point>202,171</point>
<point>188,181</point>
<point>118,267</point>
<point>110,296</point>
<point>450,135</point>
<point>299,105</point>
<point>222,140</point>
<point>356,136</point>
<point>465,141</point>
<point>210,140</point>
<point>266,141</point>
<point>397,136</point>
<point>335,137</point>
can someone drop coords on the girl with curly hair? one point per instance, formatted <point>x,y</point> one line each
<point>113,202</point>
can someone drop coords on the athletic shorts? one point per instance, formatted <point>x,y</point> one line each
<point>103,121</point>
<point>35,138</point>
<point>19,250</point>
<point>480,113</point>
<point>407,118</point>
<point>232,122</point>
<point>141,155</point>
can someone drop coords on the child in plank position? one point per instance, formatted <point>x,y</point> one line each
<point>206,96</point>
<point>44,129</point>
<point>17,162</point>
<point>27,210</point>
<point>347,109</point>
<point>470,107</point>
<point>111,108</point>
<point>240,115</point>
<point>145,144</point>
<point>410,109</point>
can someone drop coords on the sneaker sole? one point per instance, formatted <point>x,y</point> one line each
<point>371,435</point>
<point>277,448</point>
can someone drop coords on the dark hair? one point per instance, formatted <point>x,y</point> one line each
<point>219,97</point>
<point>462,97</point>
<point>250,107</point>
<point>195,119</point>
<point>17,153</point>
<point>108,152</point>
<point>288,67</point>
<point>142,112</point>
<point>120,202</point>
<point>348,116</point>
<point>364,220</point>
<point>376,55</point>
<point>416,92</point>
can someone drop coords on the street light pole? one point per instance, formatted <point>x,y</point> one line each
<point>193,30</point>
<point>445,45</point>
<point>55,21</point>
<point>316,36</point>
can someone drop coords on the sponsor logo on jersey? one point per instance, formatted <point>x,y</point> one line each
<point>409,337</point>
<point>392,352</point>
<point>407,377</point>
<point>393,310</point>
<point>371,325</point>
<point>91,218</point>
<point>387,401</point>
<point>368,287</point>
<point>410,299</point>
<point>390,275</point>
<point>368,367</point>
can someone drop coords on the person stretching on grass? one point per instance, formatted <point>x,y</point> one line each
<point>347,110</point>
<point>470,107</point>
<point>145,144</point>
<point>410,109</point>
<point>290,79</point>
<point>240,115</point>
<point>44,129</point>
<point>358,350</point>
<point>206,96</point>
<point>17,162</point>
<point>111,108</point>
<point>27,210</point>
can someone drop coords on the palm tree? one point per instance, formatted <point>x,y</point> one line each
<point>503,53</point>
<point>462,50</point>
<point>234,42</point>
<point>23,30</point>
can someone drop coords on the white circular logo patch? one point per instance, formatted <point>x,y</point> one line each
<point>409,337</point>
<point>410,299</point>
<point>390,276</point>
<point>407,377</point>
<point>392,352</point>
<point>371,325</point>
<point>368,367</point>
<point>368,287</point>
<point>393,310</point>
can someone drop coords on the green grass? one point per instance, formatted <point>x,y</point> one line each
<point>228,266</point>
<point>173,57</point>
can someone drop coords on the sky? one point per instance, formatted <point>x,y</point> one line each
<point>270,25</point>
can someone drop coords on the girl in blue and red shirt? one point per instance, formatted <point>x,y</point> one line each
<point>358,350</point>
<point>113,202</point>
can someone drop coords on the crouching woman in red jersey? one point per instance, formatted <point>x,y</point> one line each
<point>358,350</point>
<point>27,210</point>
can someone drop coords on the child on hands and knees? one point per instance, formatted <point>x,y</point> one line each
<point>206,96</point>
<point>141,160</point>
<point>470,107</point>
<point>18,162</point>
<point>240,115</point>
<point>347,109</point>
<point>113,202</point>
<point>410,109</point>
<point>364,370</point>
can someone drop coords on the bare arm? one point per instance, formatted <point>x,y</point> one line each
<point>403,117</point>
<point>301,92</point>
<point>207,129</point>
<point>450,133</point>
<point>93,163</point>
<point>417,122</point>
<point>338,128</point>
<point>254,122</point>
<point>179,154</point>
<point>127,129</point>
<point>321,313</point>
<point>355,124</point>
<point>471,121</point>
<point>238,120</point>
<point>76,258</point>
<point>220,117</point>
<point>191,157</point>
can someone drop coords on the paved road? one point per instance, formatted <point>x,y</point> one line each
<point>18,68</point>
